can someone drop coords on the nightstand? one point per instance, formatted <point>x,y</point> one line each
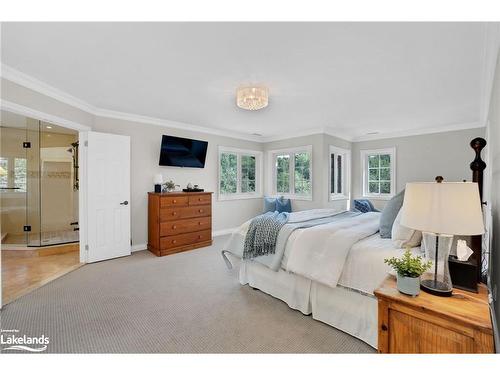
<point>432,324</point>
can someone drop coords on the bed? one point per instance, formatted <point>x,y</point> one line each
<point>334,284</point>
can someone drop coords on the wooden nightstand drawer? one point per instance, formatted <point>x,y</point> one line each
<point>171,228</point>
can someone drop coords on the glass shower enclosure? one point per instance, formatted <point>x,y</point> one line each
<point>38,182</point>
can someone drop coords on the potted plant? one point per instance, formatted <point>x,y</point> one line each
<point>408,270</point>
<point>169,186</point>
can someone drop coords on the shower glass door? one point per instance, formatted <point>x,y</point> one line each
<point>13,179</point>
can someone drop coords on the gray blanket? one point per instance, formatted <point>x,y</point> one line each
<point>262,234</point>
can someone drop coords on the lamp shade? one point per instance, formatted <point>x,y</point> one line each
<point>445,208</point>
<point>158,179</point>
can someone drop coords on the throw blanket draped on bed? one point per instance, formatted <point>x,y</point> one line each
<point>263,233</point>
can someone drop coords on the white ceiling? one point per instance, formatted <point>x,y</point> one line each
<point>354,78</point>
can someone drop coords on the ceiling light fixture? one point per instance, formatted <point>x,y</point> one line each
<point>252,98</point>
<point>49,127</point>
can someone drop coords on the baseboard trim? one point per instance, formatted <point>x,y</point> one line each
<point>223,232</point>
<point>139,247</point>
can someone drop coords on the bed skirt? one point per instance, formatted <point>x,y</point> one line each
<point>344,309</point>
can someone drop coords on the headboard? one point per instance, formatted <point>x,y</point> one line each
<point>478,166</point>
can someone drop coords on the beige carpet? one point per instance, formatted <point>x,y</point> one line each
<point>183,303</point>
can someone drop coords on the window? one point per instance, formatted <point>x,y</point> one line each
<point>20,174</point>
<point>239,173</point>
<point>379,167</point>
<point>292,172</point>
<point>13,174</point>
<point>340,173</point>
<point>4,173</point>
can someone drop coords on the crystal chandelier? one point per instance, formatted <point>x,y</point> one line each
<point>252,98</point>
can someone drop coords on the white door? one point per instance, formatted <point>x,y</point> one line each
<point>108,196</point>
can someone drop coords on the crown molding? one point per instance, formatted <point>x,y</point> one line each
<point>423,131</point>
<point>34,84</point>
<point>492,38</point>
<point>39,115</point>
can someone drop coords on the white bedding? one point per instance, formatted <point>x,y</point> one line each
<point>364,269</point>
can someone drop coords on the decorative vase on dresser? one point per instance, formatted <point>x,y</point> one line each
<point>179,221</point>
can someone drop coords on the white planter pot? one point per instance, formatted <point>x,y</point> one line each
<point>408,285</point>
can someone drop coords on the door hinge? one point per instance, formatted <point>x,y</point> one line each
<point>27,228</point>
<point>26,144</point>
<point>86,247</point>
<point>86,143</point>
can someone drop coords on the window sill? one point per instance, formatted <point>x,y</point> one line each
<point>378,197</point>
<point>233,197</point>
<point>294,197</point>
<point>338,198</point>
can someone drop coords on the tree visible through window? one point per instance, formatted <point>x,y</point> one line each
<point>238,173</point>
<point>247,174</point>
<point>228,173</point>
<point>292,174</point>
<point>4,173</point>
<point>378,172</point>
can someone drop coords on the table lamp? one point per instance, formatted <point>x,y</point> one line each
<point>441,210</point>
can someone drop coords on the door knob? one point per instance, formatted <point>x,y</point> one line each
<point>124,203</point>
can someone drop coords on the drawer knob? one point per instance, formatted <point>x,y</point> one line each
<point>174,241</point>
<point>384,327</point>
<point>200,210</point>
<point>174,201</point>
<point>199,237</point>
<point>174,226</point>
<point>174,213</point>
<point>199,223</point>
<point>200,199</point>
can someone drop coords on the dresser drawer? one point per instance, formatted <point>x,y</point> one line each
<point>171,228</point>
<point>168,214</point>
<point>185,239</point>
<point>200,199</point>
<point>173,201</point>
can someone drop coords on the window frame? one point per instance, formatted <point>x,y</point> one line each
<point>346,173</point>
<point>258,173</point>
<point>364,160</point>
<point>273,154</point>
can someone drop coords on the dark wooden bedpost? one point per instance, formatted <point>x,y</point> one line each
<point>478,166</point>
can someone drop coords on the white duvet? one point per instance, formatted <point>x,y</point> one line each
<point>319,253</point>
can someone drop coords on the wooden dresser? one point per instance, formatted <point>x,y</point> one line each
<point>179,222</point>
<point>432,324</point>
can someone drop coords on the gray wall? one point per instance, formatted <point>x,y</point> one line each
<point>145,145</point>
<point>320,144</point>
<point>494,190</point>
<point>421,158</point>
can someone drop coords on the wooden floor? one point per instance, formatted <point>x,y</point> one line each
<point>23,274</point>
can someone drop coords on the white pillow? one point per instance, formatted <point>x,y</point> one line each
<point>402,236</point>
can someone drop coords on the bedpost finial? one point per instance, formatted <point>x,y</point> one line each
<point>439,179</point>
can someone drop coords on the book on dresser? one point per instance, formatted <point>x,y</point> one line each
<point>179,221</point>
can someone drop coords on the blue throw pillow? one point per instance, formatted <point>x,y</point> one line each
<point>283,205</point>
<point>362,205</point>
<point>389,214</point>
<point>269,204</point>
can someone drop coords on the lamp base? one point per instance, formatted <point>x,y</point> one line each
<point>436,287</point>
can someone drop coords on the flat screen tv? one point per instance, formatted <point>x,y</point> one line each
<point>182,152</point>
